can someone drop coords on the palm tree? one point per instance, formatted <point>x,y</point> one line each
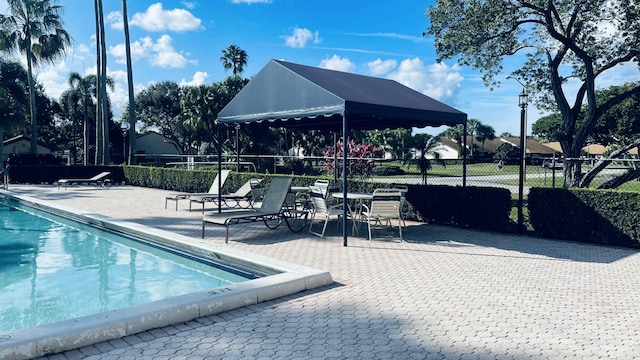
<point>34,29</point>
<point>82,90</point>
<point>102,123</point>
<point>484,133</point>
<point>132,118</point>
<point>234,58</point>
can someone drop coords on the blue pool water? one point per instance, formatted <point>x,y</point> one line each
<point>52,269</point>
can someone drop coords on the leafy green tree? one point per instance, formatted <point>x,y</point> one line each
<point>13,96</point>
<point>567,43</point>
<point>508,153</point>
<point>548,127</point>
<point>34,29</point>
<point>158,107</point>
<point>618,127</point>
<point>234,58</point>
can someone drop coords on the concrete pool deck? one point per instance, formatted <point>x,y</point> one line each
<point>444,293</point>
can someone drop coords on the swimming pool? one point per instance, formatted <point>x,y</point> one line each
<point>53,269</point>
<point>280,279</point>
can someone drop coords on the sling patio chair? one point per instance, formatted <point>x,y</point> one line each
<point>239,198</point>
<point>385,206</point>
<point>213,190</point>
<point>273,210</point>
<point>99,180</point>
<point>321,210</point>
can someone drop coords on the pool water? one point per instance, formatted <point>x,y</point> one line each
<point>53,269</point>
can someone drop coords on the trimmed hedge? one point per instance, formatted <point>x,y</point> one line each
<point>593,216</point>
<point>485,208</point>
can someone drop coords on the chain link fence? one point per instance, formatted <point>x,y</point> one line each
<point>539,172</point>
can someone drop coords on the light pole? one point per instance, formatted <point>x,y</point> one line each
<point>522,102</point>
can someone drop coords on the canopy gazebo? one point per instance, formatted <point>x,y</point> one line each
<point>285,94</point>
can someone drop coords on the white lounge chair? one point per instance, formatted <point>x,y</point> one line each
<point>238,198</point>
<point>213,190</point>
<point>98,180</point>
<point>272,210</point>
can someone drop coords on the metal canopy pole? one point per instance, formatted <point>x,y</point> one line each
<point>344,180</point>
<point>219,150</point>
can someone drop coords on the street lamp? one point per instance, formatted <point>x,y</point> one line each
<point>522,102</point>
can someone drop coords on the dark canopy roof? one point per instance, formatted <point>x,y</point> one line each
<point>310,97</point>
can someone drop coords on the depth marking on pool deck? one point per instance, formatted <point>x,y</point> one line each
<point>75,333</point>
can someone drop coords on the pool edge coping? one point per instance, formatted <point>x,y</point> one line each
<point>75,333</point>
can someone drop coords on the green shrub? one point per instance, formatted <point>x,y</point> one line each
<point>593,216</point>
<point>484,208</point>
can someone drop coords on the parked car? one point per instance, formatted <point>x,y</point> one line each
<point>556,164</point>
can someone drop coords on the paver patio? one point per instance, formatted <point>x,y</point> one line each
<point>444,293</point>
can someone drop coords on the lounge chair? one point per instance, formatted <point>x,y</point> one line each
<point>385,206</point>
<point>98,180</point>
<point>213,190</point>
<point>238,198</point>
<point>271,210</point>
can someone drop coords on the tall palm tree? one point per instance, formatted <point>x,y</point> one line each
<point>83,89</point>
<point>132,117</point>
<point>234,58</point>
<point>34,29</point>
<point>102,126</point>
<point>484,133</point>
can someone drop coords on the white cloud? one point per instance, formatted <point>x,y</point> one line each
<point>158,19</point>
<point>54,79</point>
<point>115,19</point>
<point>189,4</point>
<point>301,37</point>
<point>198,79</point>
<point>160,53</point>
<point>379,67</point>
<point>338,63</point>
<point>438,81</point>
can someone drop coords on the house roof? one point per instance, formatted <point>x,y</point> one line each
<point>533,147</point>
<point>19,138</point>
<point>294,95</point>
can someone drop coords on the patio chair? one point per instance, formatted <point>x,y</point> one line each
<point>385,206</point>
<point>213,190</point>
<point>321,210</point>
<point>237,198</point>
<point>270,211</point>
<point>403,198</point>
<point>98,180</point>
<point>323,185</point>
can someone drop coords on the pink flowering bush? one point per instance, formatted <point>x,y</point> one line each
<point>360,160</point>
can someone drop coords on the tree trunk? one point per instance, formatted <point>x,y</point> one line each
<point>132,117</point>
<point>32,101</point>
<point>106,159</point>
<point>98,154</point>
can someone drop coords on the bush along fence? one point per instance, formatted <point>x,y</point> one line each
<point>593,216</point>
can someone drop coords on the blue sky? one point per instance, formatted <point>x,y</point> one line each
<point>182,41</point>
